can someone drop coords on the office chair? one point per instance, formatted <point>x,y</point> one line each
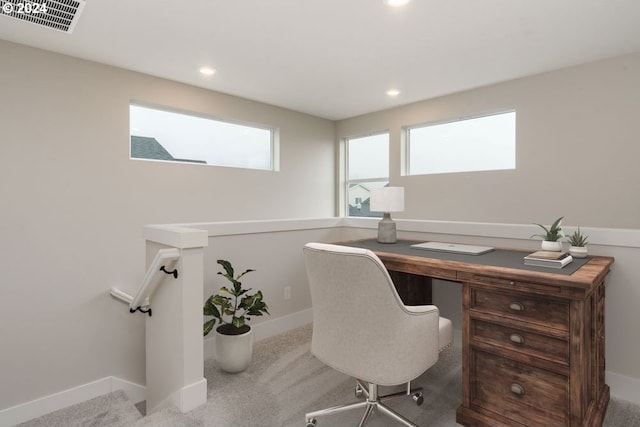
<point>362,329</point>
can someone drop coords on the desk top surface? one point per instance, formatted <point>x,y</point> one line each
<point>502,262</point>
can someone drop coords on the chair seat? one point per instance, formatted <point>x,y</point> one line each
<point>445,327</point>
<point>445,333</point>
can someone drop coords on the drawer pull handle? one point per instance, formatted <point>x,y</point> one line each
<point>517,338</point>
<point>516,306</point>
<point>517,389</point>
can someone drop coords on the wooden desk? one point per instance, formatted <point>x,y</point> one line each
<point>533,340</point>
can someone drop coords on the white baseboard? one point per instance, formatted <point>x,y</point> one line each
<point>622,387</point>
<point>268,329</point>
<point>191,396</point>
<point>135,392</point>
<point>47,404</point>
<point>187,398</point>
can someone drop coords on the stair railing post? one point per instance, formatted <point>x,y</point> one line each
<point>174,342</point>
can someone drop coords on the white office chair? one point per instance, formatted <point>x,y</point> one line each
<point>362,329</point>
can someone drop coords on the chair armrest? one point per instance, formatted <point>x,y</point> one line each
<point>418,309</point>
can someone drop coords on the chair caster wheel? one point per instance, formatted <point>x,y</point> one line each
<point>418,398</point>
<point>311,423</point>
<point>359,392</point>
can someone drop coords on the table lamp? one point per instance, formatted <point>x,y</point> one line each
<point>387,200</point>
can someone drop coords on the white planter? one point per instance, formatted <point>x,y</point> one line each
<point>233,352</point>
<point>548,245</point>
<point>578,251</point>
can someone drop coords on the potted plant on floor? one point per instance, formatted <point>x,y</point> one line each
<point>232,307</point>
<point>551,236</point>
<point>578,243</point>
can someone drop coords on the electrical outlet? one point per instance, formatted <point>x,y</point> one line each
<point>287,293</point>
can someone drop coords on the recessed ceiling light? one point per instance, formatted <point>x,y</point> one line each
<point>396,3</point>
<point>207,71</point>
<point>393,92</point>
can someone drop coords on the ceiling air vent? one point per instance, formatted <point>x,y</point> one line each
<point>60,15</point>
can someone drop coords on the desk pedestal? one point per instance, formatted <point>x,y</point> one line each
<point>533,355</point>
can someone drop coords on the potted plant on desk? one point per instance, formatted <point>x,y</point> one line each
<point>551,236</point>
<point>578,243</point>
<point>234,339</point>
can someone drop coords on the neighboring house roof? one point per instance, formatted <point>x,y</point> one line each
<point>143,147</point>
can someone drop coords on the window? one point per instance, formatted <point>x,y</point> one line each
<point>477,144</point>
<point>177,137</point>
<point>367,167</point>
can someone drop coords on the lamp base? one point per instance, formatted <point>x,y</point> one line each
<point>387,229</point>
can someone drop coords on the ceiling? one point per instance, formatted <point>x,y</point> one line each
<point>337,58</point>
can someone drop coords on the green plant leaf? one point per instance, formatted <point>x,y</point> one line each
<point>210,308</point>
<point>578,239</point>
<point>241,292</point>
<point>238,321</point>
<point>228,268</point>
<point>220,300</point>
<point>254,305</point>
<point>208,326</point>
<point>237,289</point>
<point>556,225</point>
<point>552,233</point>
<point>248,271</point>
<point>258,309</point>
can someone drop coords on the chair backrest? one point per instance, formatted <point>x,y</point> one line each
<point>360,325</point>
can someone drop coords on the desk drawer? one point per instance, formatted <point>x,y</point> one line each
<point>514,339</point>
<point>547,312</point>
<point>531,396</point>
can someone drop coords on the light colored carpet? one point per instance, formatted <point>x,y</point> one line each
<point>285,381</point>
<point>113,409</point>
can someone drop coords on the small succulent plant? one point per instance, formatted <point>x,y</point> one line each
<point>553,233</point>
<point>578,239</point>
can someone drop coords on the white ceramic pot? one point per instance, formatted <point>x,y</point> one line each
<point>578,251</point>
<point>233,352</point>
<point>548,245</point>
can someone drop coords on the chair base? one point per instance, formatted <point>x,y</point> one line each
<point>373,402</point>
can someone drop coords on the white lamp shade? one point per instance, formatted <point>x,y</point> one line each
<point>387,199</point>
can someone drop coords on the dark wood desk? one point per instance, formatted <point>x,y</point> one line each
<point>533,339</point>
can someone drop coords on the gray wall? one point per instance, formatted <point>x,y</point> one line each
<point>577,150</point>
<point>74,204</point>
